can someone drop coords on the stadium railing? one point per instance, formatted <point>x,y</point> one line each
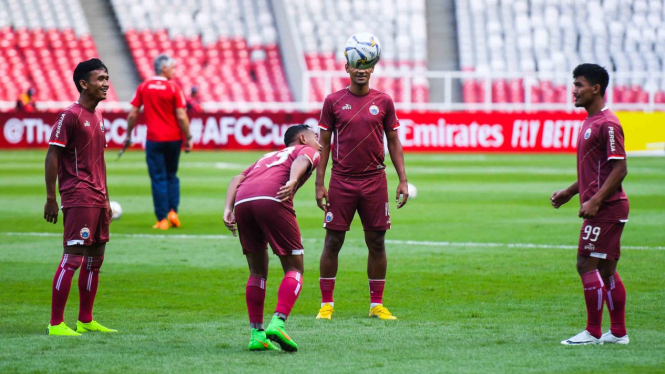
<point>449,80</point>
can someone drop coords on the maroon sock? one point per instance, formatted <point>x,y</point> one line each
<point>376,287</point>
<point>88,280</point>
<point>288,293</point>
<point>327,286</point>
<point>616,303</point>
<point>255,295</point>
<point>62,283</point>
<point>593,295</point>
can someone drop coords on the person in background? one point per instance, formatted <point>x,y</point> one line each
<point>26,101</point>
<point>164,104</point>
<point>194,101</point>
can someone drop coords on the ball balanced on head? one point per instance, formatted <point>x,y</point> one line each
<point>362,51</point>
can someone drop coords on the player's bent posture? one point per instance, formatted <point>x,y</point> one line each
<point>263,199</point>
<point>76,157</point>
<point>601,167</point>
<point>358,116</point>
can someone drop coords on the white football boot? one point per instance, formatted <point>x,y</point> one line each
<point>609,338</point>
<point>583,338</point>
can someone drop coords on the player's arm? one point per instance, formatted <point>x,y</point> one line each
<point>183,121</point>
<point>131,122</point>
<point>589,209</point>
<point>300,166</point>
<point>229,216</point>
<point>50,176</point>
<point>561,197</point>
<point>109,211</point>
<point>320,188</point>
<point>397,157</point>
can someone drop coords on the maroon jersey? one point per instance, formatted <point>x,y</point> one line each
<point>271,172</point>
<point>601,140</point>
<point>358,124</point>
<point>81,167</point>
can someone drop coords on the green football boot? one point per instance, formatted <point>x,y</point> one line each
<point>92,326</point>
<point>61,329</point>
<point>259,342</point>
<point>276,333</point>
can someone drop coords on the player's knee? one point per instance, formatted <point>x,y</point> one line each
<point>584,265</point>
<point>72,262</point>
<point>375,243</point>
<point>334,242</point>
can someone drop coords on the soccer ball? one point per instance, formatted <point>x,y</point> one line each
<point>116,209</point>
<point>362,51</point>
<point>413,191</point>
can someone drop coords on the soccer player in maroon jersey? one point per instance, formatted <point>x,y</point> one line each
<point>358,116</point>
<point>76,157</point>
<point>601,167</point>
<point>262,197</point>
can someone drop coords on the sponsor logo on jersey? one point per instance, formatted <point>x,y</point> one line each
<point>374,110</point>
<point>316,155</point>
<point>86,124</point>
<point>346,107</point>
<point>85,233</point>
<point>101,126</point>
<point>329,217</point>
<point>57,131</point>
<point>590,247</point>
<point>587,133</point>
<point>613,147</point>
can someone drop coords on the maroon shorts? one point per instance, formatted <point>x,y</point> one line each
<point>263,222</point>
<point>368,196</point>
<point>600,239</point>
<point>85,226</point>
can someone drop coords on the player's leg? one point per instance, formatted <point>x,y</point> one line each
<point>172,157</point>
<point>375,216</point>
<point>154,154</point>
<point>615,298</point>
<point>594,291</point>
<point>75,233</point>
<point>289,290</point>
<point>328,266</point>
<point>88,282</point>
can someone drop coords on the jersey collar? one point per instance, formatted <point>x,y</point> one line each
<point>159,78</point>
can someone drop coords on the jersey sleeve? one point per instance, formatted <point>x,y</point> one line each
<point>137,100</point>
<point>613,134</point>
<point>327,120</point>
<point>312,154</point>
<point>63,129</point>
<point>390,121</point>
<point>180,100</point>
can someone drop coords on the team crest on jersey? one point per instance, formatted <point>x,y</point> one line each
<point>101,126</point>
<point>374,110</point>
<point>85,233</point>
<point>86,124</point>
<point>587,133</point>
<point>329,217</point>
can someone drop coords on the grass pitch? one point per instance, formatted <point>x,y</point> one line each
<point>481,275</point>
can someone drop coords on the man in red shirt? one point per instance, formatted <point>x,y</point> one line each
<point>166,117</point>
<point>601,167</point>
<point>262,197</point>
<point>76,156</point>
<point>359,117</point>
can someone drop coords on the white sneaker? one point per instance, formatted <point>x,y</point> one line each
<point>608,337</point>
<point>583,338</point>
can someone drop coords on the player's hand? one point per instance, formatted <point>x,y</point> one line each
<point>287,190</point>
<point>402,194</point>
<point>230,221</point>
<point>109,211</point>
<point>189,145</point>
<point>321,195</point>
<point>589,209</point>
<point>51,211</point>
<point>559,198</point>
<point>127,144</point>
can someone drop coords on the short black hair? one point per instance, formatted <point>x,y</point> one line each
<point>83,70</point>
<point>292,133</point>
<point>594,74</point>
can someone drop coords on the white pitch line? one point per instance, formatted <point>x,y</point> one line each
<point>388,241</point>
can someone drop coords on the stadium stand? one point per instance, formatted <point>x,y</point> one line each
<point>40,43</point>
<point>547,37</point>
<point>228,48</point>
<point>324,26</point>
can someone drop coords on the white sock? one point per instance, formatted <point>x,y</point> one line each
<point>332,304</point>
<point>372,305</point>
